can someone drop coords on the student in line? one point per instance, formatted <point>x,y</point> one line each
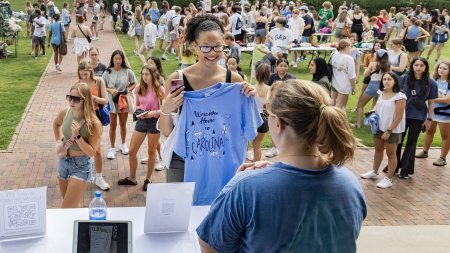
<point>119,78</point>
<point>149,95</point>
<point>420,91</point>
<point>259,210</point>
<point>86,74</point>
<point>77,133</point>
<point>441,114</point>
<point>372,80</point>
<point>391,109</point>
<point>262,74</point>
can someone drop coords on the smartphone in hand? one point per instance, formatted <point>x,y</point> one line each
<point>175,84</point>
<point>142,114</point>
<point>424,128</point>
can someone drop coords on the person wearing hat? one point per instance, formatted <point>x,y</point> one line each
<point>308,28</point>
<point>372,77</point>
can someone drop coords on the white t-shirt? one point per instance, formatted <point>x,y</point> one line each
<point>386,109</point>
<point>39,31</point>
<point>296,25</point>
<point>236,23</point>
<point>150,34</point>
<point>343,71</point>
<point>281,39</point>
<point>170,14</point>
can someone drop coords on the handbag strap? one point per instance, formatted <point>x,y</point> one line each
<point>61,37</point>
<point>100,106</point>
<point>81,30</point>
<point>406,32</point>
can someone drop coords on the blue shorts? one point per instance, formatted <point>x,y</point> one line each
<point>305,39</point>
<point>79,167</point>
<point>372,89</point>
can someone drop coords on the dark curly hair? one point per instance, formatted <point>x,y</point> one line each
<point>202,23</point>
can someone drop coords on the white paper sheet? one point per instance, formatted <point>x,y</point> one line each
<point>168,207</point>
<point>23,213</point>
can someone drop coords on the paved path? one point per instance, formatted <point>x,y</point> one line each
<point>422,200</point>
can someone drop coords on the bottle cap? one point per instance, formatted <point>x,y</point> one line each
<point>98,194</point>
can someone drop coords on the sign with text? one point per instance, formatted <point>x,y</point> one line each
<point>168,207</point>
<point>23,213</point>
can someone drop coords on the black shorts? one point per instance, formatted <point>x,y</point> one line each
<point>39,40</point>
<point>264,128</point>
<point>147,126</point>
<point>175,173</point>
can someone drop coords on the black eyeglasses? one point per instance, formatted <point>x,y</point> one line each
<point>75,99</point>
<point>207,49</point>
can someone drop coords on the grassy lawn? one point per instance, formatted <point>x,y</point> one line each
<point>18,80</point>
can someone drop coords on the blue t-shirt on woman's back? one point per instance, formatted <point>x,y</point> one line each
<point>287,209</point>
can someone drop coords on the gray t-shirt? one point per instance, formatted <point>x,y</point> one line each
<point>118,80</point>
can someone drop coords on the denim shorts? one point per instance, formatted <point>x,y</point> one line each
<point>372,89</point>
<point>147,126</point>
<point>79,167</point>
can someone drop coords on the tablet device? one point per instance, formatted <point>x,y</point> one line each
<point>106,236</point>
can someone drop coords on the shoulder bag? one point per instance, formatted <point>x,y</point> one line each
<point>63,44</point>
<point>103,111</point>
<point>81,30</point>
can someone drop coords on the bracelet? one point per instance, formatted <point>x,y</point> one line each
<point>163,113</point>
<point>429,119</point>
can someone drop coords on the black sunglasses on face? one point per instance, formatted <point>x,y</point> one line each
<point>207,49</point>
<point>75,99</point>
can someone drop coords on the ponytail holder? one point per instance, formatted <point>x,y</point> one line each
<point>321,108</point>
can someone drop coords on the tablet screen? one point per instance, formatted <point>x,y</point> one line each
<point>103,237</point>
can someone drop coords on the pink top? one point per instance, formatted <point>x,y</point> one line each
<point>148,102</point>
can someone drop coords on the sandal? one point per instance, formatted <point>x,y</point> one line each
<point>146,182</point>
<point>126,181</point>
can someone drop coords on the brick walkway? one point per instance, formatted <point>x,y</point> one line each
<point>30,161</point>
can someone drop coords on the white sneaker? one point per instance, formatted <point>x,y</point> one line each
<point>111,154</point>
<point>159,166</point>
<point>123,148</point>
<point>101,183</point>
<point>58,68</point>
<point>385,183</point>
<point>369,175</point>
<point>294,65</point>
<point>144,160</point>
<point>250,155</point>
<point>164,57</point>
<point>272,152</point>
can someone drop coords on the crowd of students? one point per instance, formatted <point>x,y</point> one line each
<point>208,121</point>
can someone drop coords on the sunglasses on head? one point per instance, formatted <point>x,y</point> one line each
<point>74,99</point>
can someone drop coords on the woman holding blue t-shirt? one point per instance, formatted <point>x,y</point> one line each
<point>441,115</point>
<point>420,91</point>
<point>259,210</point>
<point>204,33</point>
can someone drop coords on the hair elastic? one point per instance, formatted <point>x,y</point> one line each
<point>322,107</point>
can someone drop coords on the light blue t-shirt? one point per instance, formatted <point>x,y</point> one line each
<point>287,209</point>
<point>214,127</point>
<point>55,30</point>
<point>443,90</point>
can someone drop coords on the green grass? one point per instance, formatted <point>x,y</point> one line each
<point>18,80</point>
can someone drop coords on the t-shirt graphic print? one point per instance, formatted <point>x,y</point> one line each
<point>212,134</point>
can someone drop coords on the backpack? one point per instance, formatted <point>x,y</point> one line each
<point>170,24</point>
<point>238,24</point>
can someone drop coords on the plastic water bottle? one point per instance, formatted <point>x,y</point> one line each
<point>97,207</point>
